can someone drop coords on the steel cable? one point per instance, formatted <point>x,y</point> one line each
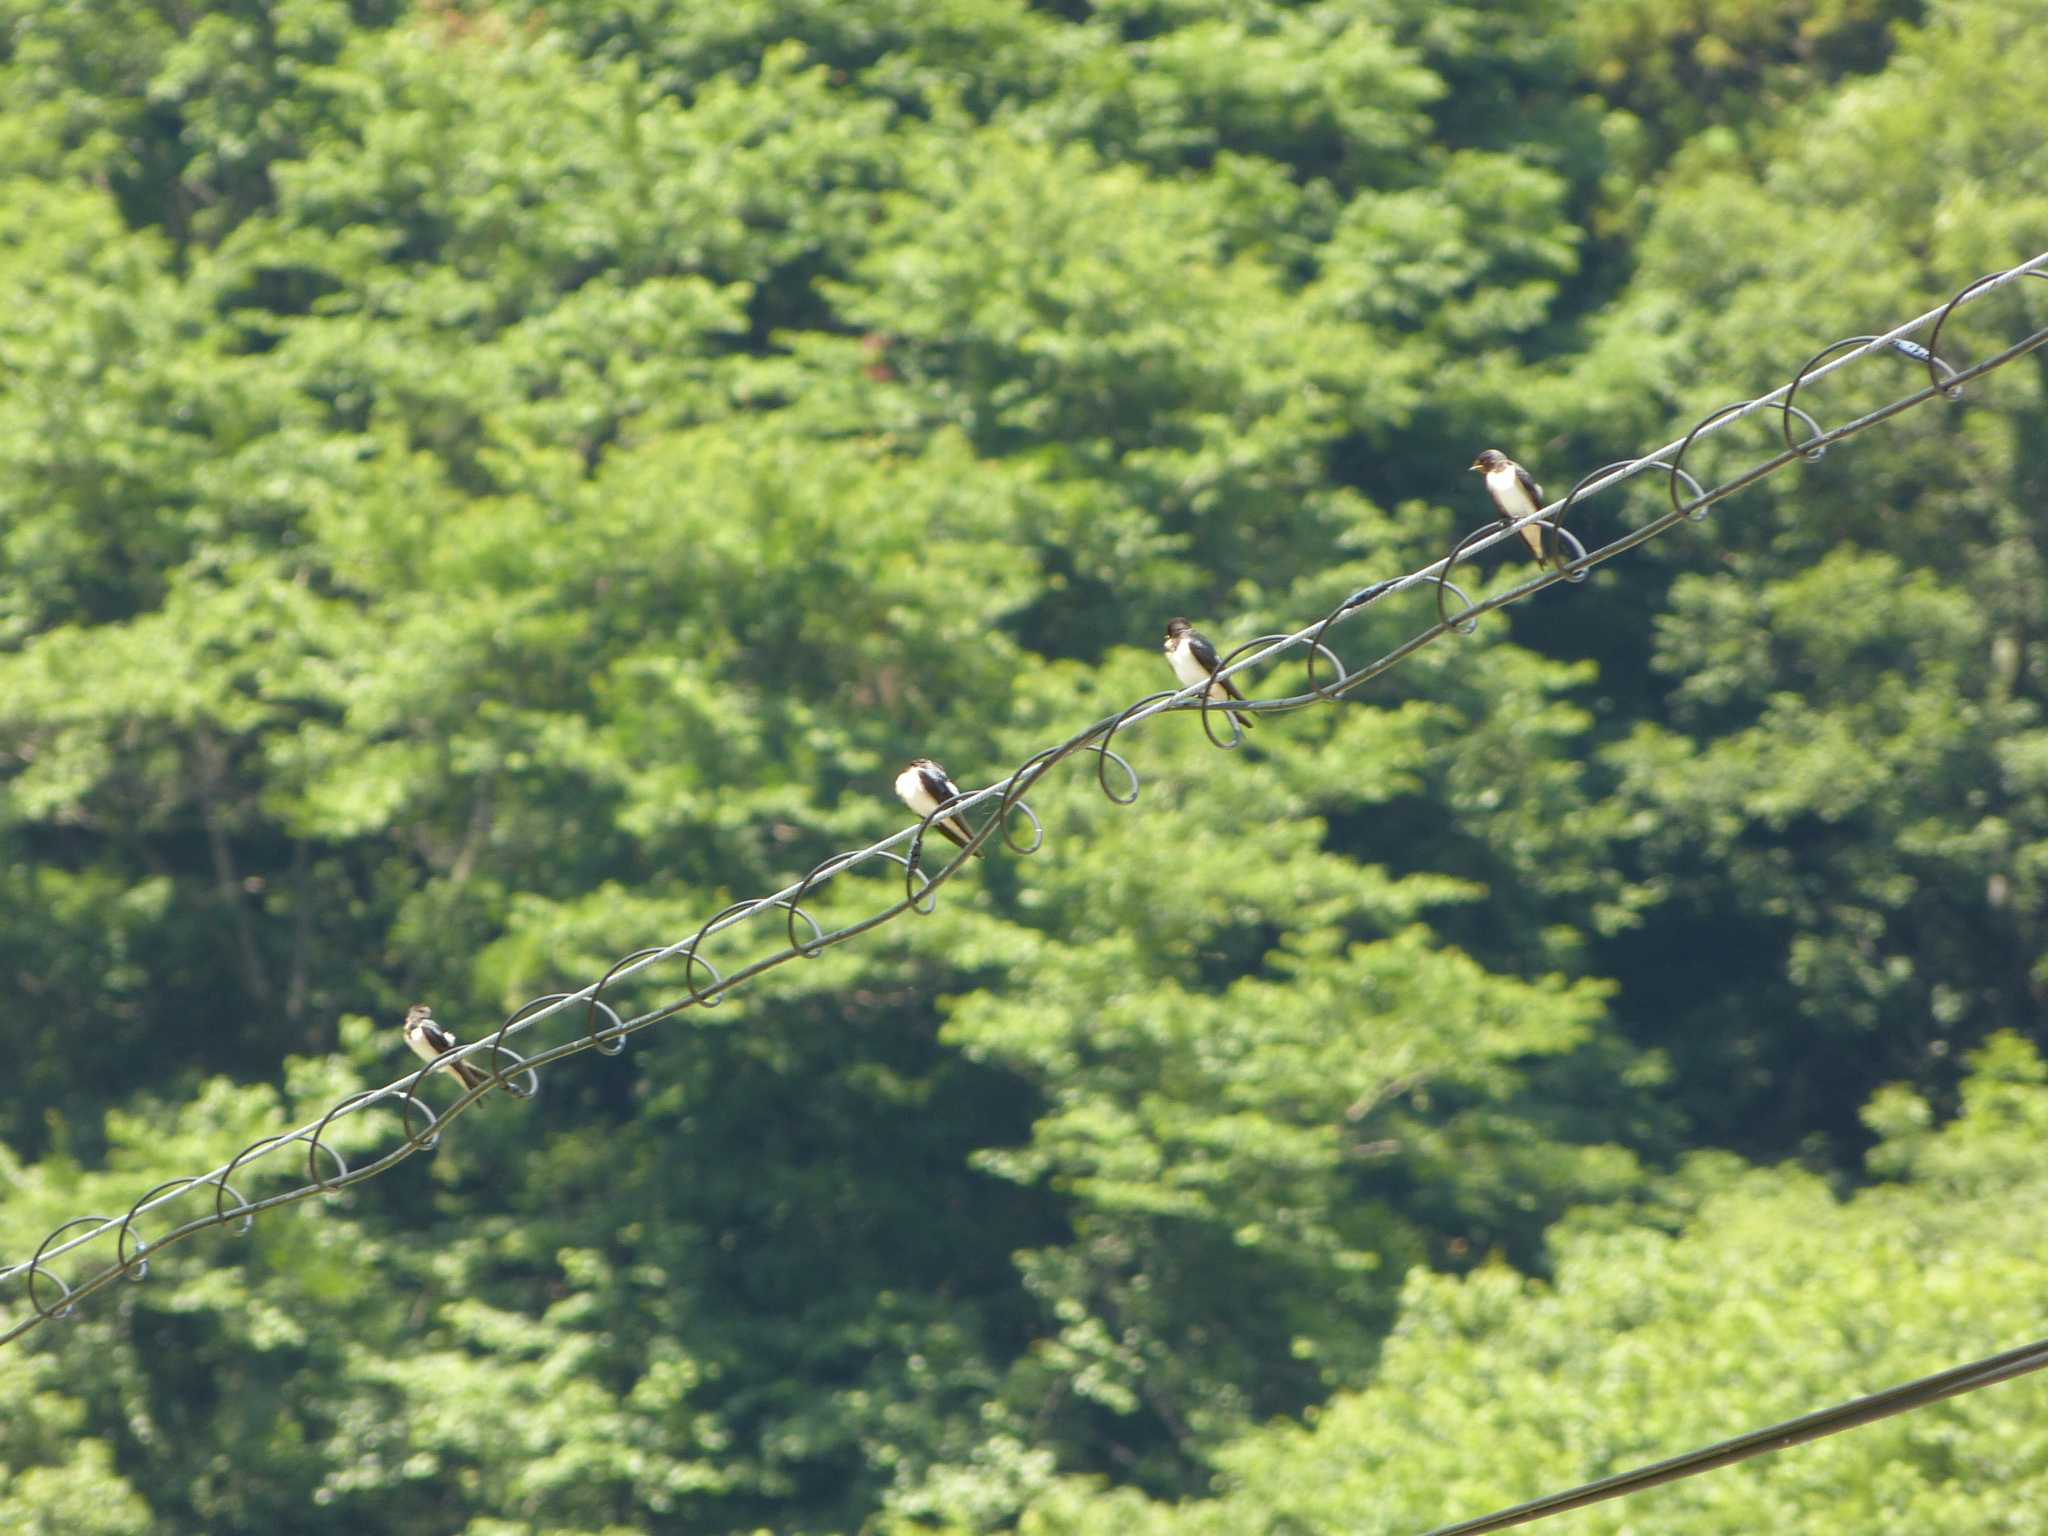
<point>703,984</point>
<point>1953,1382</point>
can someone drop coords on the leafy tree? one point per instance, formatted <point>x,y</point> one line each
<point>487,485</point>
<point>1735,1298</point>
<point>1831,780</point>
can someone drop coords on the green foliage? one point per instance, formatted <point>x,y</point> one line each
<point>1739,1297</point>
<point>1832,782</point>
<point>1686,66</point>
<point>482,486</point>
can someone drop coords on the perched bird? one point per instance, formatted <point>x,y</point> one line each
<point>1514,494</point>
<point>1193,658</point>
<point>430,1041</point>
<point>924,787</point>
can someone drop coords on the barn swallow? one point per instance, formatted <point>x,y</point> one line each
<point>1514,495</point>
<point>429,1042</point>
<point>1193,660</point>
<point>924,787</point>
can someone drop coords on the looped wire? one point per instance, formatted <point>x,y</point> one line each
<point>1103,758</point>
<point>1029,772</point>
<point>499,1054</point>
<point>1813,450</point>
<point>938,813</point>
<point>702,999</point>
<point>35,1269</point>
<point>63,1308</point>
<point>1116,723</point>
<point>1443,583</point>
<point>608,1042</point>
<point>1554,537</point>
<point>1634,467</point>
<point>692,959</point>
<point>138,1268</point>
<point>1620,470</point>
<point>1209,730</point>
<point>315,1145</point>
<point>1037,827</point>
<point>1920,354</point>
<point>254,1150</point>
<point>913,865</point>
<point>816,947</point>
<point>1676,468</point>
<point>1229,708</point>
<point>221,1215</point>
<point>909,869</point>
<point>1786,410</point>
<point>1012,798</point>
<point>603,1028</point>
<point>1571,497</point>
<point>409,1103</point>
<point>1934,381</point>
<point>1316,647</point>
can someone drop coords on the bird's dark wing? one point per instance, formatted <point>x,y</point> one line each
<point>952,828</point>
<point>442,1042</point>
<point>1535,491</point>
<point>1205,653</point>
<point>471,1076</point>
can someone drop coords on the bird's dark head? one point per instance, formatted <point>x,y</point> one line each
<point>415,1013</point>
<point>1175,628</point>
<point>1490,460</point>
<point>926,765</point>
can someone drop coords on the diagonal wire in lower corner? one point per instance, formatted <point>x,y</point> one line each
<point>1953,1382</point>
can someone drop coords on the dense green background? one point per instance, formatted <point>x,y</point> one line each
<point>483,486</point>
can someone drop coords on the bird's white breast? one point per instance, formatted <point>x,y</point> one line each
<point>1185,667</point>
<point>911,791</point>
<point>1508,495</point>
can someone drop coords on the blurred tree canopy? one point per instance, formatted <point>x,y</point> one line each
<point>1731,1298</point>
<point>483,486</point>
